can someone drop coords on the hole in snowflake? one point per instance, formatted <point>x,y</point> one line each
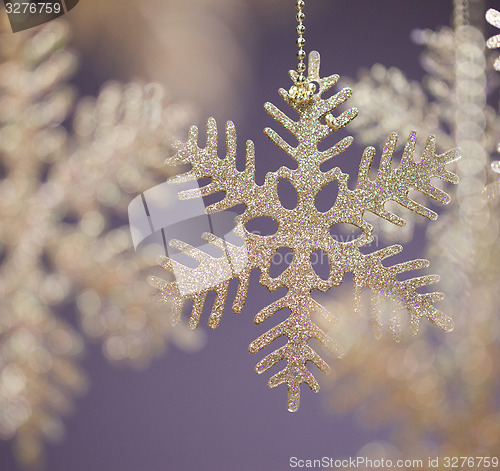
<point>320,264</point>
<point>280,261</point>
<point>287,194</point>
<point>326,197</point>
<point>262,225</point>
<point>345,232</point>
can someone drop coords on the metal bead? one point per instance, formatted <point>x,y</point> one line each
<point>331,121</point>
<point>300,16</point>
<point>301,67</point>
<point>301,54</point>
<point>301,42</point>
<point>301,29</point>
<point>301,79</point>
<point>293,91</point>
<point>312,87</point>
<point>300,4</point>
<point>309,95</point>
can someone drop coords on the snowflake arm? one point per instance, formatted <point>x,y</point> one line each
<point>371,273</point>
<point>305,230</point>
<point>299,329</point>
<point>238,186</point>
<point>312,115</point>
<point>395,184</point>
<point>211,274</point>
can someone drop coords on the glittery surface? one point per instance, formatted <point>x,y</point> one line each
<point>305,230</point>
<point>493,18</point>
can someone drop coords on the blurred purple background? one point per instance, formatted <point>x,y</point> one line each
<point>210,411</point>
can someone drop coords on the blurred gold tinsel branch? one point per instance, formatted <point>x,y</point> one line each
<point>67,173</point>
<point>440,394</point>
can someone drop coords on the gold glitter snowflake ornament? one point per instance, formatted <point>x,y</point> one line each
<point>304,229</point>
<point>493,18</point>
